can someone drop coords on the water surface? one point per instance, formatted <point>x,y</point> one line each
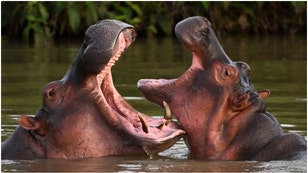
<point>278,63</point>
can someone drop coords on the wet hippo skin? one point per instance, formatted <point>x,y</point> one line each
<point>83,115</point>
<point>217,105</point>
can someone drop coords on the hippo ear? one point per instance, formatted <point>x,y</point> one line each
<point>30,123</point>
<point>264,93</point>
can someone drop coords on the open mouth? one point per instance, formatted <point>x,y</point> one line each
<point>113,98</point>
<point>154,134</point>
<point>121,107</point>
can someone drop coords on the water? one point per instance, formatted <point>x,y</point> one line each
<point>278,64</point>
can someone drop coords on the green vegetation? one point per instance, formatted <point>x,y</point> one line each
<point>46,20</point>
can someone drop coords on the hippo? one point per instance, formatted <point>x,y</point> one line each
<point>217,105</point>
<point>83,115</point>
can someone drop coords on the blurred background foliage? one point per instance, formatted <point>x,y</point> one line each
<point>46,20</point>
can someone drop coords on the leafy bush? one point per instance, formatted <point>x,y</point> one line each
<point>42,20</point>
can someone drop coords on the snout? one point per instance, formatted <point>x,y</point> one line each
<point>192,32</point>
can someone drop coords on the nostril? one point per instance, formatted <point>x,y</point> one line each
<point>227,73</point>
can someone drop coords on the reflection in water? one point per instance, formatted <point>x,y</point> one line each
<point>160,164</point>
<point>278,64</point>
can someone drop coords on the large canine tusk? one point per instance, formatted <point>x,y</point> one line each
<point>146,150</point>
<point>168,115</point>
<point>144,125</point>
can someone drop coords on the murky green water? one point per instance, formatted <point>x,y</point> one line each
<point>278,64</point>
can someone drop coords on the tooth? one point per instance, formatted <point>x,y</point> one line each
<point>146,150</point>
<point>144,125</point>
<point>168,115</point>
<point>160,127</point>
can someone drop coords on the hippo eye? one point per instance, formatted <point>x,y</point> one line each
<point>51,93</point>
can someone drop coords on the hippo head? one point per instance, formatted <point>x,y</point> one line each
<point>213,99</point>
<point>83,115</point>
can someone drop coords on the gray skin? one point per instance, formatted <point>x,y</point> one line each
<point>84,116</point>
<point>216,104</point>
